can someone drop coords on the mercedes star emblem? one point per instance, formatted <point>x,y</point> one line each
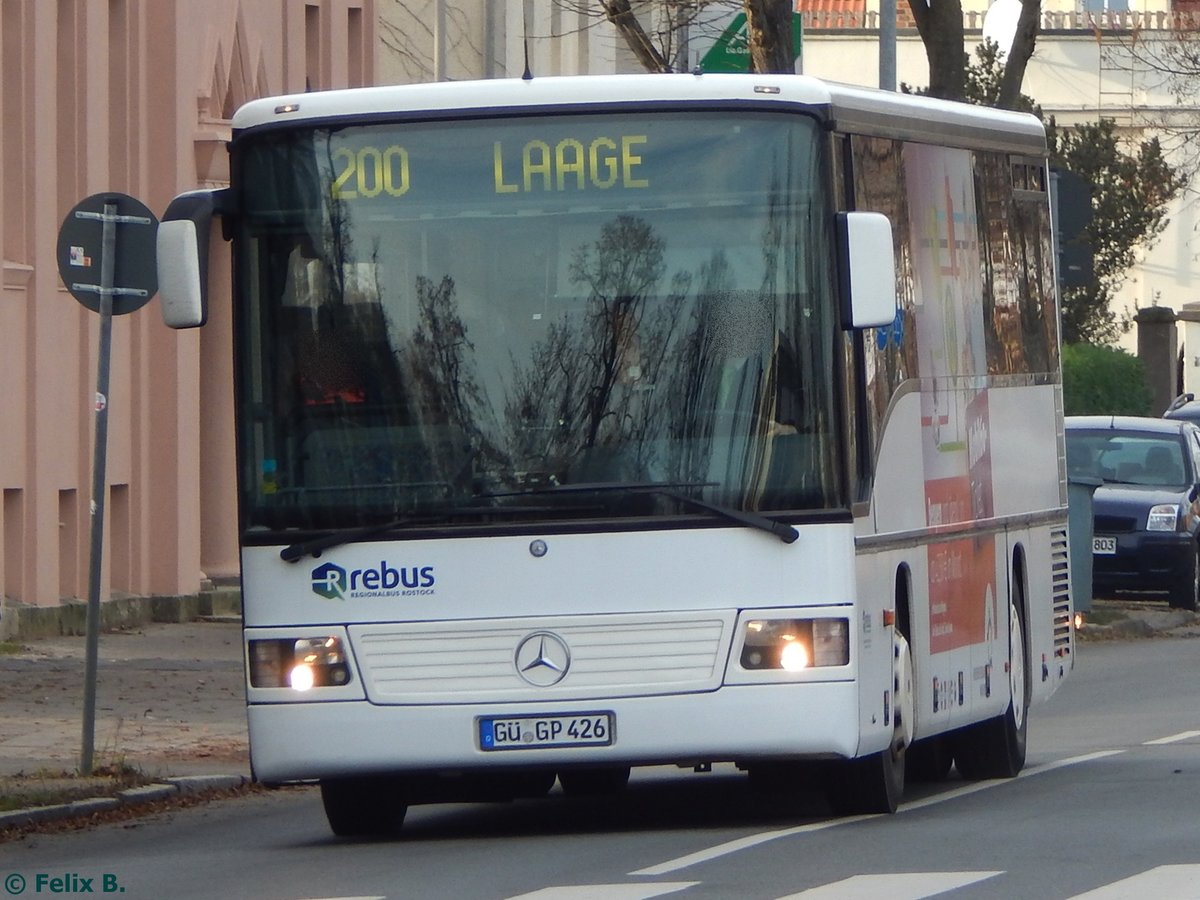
<point>543,659</point>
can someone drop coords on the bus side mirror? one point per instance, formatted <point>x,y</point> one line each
<point>183,236</point>
<point>868,270</point>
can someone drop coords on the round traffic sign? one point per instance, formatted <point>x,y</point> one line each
<point>80,249</point>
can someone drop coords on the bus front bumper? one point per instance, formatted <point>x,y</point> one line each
<point>305,741</point>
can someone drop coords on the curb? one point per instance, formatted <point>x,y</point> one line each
<point>169,787</point>
<point>1142,623</point>
<point>1123,628</point>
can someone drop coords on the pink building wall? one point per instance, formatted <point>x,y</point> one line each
<point>131,96</point>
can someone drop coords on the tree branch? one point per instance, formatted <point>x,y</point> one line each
<point>620,13</point>
<point>1019,54</point>
<point>769,28</point>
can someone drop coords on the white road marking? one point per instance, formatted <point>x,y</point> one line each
<point>640,891</point>
<point>1173,739</point>
<point>753,840</point>
<point>977,786</point>
<point>1162,883</point>
<point>894,886</point>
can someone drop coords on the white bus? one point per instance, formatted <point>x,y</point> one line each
<point>602,422</point>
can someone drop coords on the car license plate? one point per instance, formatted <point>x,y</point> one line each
<point>593,729</point>
<point>1104,546</point>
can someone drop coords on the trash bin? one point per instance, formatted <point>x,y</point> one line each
<point>1079,527</point>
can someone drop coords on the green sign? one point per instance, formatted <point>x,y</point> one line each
<point>731,51</point>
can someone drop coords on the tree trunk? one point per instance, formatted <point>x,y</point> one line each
<point>1019,54</point>
<point>940,25</point>
<point>769,28</point>
<point>626,22</point>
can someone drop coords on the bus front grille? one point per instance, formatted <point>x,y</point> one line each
<point>476,661</point>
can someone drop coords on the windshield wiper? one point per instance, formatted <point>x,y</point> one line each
<point>785,533</point>
<point>314,546</point>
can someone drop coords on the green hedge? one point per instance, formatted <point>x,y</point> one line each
<point>1103,381</point>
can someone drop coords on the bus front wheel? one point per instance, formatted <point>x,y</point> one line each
<point>363,807</point>
<point>875,783</point>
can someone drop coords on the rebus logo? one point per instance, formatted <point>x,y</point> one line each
<point>329,581</point>
<point>333,582</point>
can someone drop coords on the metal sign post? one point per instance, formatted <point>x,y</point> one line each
<point>124,286</point>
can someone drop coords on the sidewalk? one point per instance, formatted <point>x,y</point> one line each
<point>170,701</point>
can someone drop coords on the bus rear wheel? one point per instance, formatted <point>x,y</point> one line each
<point>363,807</point>
<point>996,748</point>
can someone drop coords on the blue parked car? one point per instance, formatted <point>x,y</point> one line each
<point>1185,407</point>
<point>1146,513</point>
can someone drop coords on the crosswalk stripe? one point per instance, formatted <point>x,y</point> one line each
<point>1161,883</point>
<point>1173,882</point>
<point>641,891</point>
<point>894,886</point>
<point>1173,739</point>
<point>751,840</point>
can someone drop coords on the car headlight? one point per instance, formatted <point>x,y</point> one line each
<point>793,645</point>
<point>1164,517</point>
<point>301,664</point>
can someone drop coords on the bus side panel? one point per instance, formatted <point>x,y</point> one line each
<point>964,390</point>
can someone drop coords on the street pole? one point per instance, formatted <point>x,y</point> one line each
<point>132,261</point>
<point>887,45</point>
<point>99,479</point>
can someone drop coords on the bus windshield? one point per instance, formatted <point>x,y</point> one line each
<point>449,317</point>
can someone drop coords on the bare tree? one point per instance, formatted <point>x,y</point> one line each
<point>657,31</point>
<point>769,27</point>
<point>941,28</point>
<point>654,57</point>
<point>421,40</point>
<point>1168,59</point>
<point>1019,54</point>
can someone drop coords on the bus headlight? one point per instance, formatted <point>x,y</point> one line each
<point>301,664</point>
<point>794,645</point>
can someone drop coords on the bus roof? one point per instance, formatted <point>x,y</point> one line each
<point>848,109</point>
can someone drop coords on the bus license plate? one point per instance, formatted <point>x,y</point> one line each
<point>1104,546</point>
<point>532,732</point>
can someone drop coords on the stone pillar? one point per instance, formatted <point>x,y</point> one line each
<point>1157,342</point>
<point>1190,317</point>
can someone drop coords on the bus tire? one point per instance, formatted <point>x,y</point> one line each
<point>996,748</point>
<point>875,783</point>
<point>928,760</point>
<point>867,785</point>
<point>593,782</point>
<point>363,807</point>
